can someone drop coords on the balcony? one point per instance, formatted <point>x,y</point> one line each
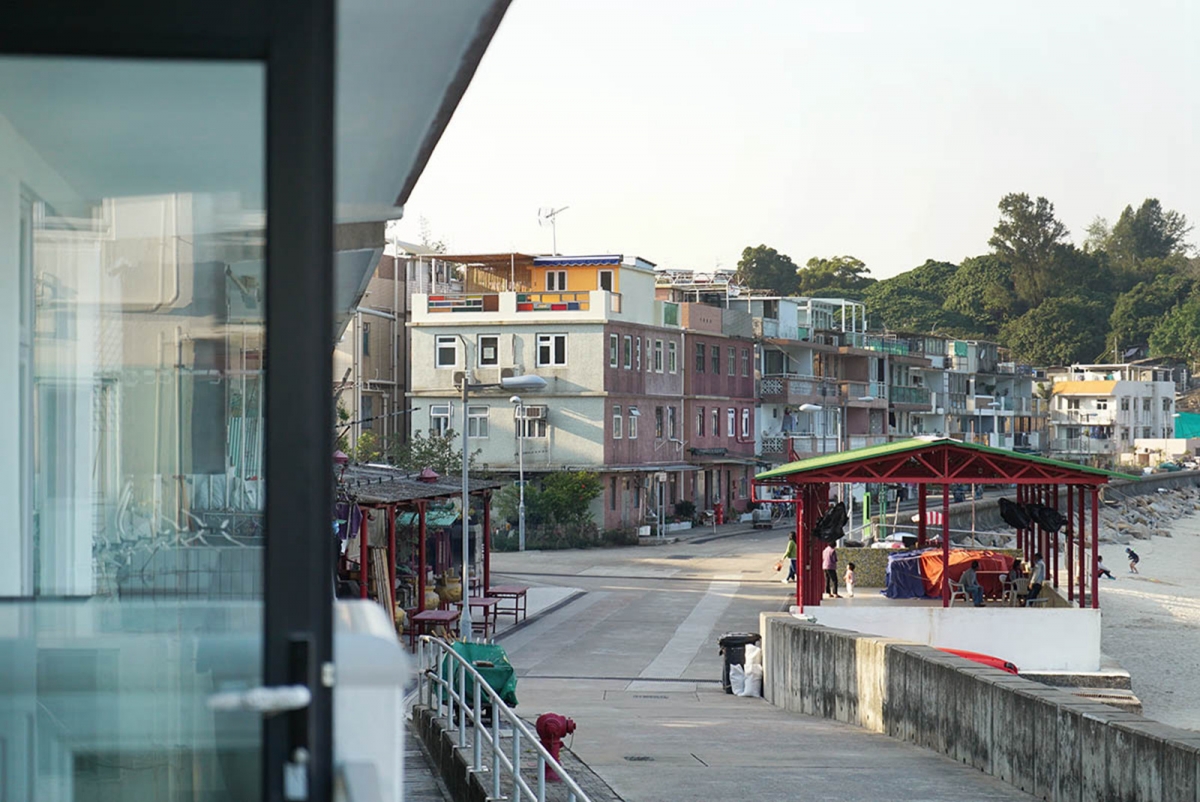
<point>796,389</point>
<point>917,396</point>
<point>1084,445</point>
<point>590,305</point>
<point>775,446</point>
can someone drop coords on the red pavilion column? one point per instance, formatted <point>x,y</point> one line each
<point>1070,536</point>
<point>945,545</point>
<point>1095,546</point>
<point>421,556</point>
<point>922,532</point>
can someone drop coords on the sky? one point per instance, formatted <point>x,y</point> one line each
<point>684,131</point>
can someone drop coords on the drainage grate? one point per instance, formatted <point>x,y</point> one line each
<point>639,758</point>
<point>650,696</point>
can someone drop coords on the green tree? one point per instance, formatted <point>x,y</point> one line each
<point>1178,334</point>
<point>369,448</point>
<point>1138,311</point>
<point>1058,332</point>
<point>982,290</point>
<point>1148,233</point>
<point>914,301</point>
<point>764,268</point>
<point>560,499</point>
<point>838,277</point>
<point>1029,237</point>
<point>442,453</point>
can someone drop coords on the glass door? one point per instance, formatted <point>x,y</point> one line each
<point>132,340</point>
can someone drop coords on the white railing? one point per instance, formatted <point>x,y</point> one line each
<point>446,696</point>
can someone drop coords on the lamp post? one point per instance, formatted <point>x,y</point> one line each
<point>520,413</point>
<point>507,383</point>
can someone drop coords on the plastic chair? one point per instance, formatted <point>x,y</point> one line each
<point>958,592</point>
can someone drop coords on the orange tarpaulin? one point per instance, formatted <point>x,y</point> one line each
<point>960,560</point>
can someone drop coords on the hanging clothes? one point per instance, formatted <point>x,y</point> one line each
<point>348,519</point>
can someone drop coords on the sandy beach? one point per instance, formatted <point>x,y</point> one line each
<point>1151,621</point>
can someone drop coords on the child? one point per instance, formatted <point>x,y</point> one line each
<point>850,580</point>
<point>1101,569</point>
<point>1133,560</point>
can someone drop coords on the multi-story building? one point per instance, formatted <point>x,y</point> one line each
<point>1098,411</point>
<point>617,360</point>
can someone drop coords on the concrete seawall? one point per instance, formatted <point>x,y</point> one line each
<point>1044,741</point>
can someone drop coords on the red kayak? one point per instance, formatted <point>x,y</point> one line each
<point>983,659</point>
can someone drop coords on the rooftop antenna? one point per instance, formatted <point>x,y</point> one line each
<point>547,215</point>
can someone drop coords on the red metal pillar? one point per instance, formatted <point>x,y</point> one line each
<point>1082,541</point>
<point>801,504</point>
<point>1054,535</point>
<point>816,577</point>
<point>363,573</point>
<point>391,524</point>
<point>945,545</point>
<point>1095,546</point>
<point>421,556</point>
<point>922,533</point>
<point>1071,543</point>
<point>1020,532</point>
<point>487,543</point>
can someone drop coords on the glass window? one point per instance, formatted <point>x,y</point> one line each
<point>366,339</point>
<point>627,352</point>
<point>1101,404</point>
<point>477,421</point>
<point>745,361</point>
<point>730,415</point>
<point>1124,403</point>
<point>1146,406</point>
<point>551,350</point>
<point>1072,403</point>
<point>612,350</point>
<point>658,356</point>
<point>649,356</point>
<point>445,351</point>
<point>439,419</point>
<point>367,413</point>
<point>631,430</point>
<point>488,349</point>
<point>745,423</point>
<point>1166,402</point>
<point>617,420</point>
<point>671,433</point>
<point>700,354</point>
<point>532,427</point>
<point>672,359</point>
<point>716,360</point>
<point>638,351</point>
<point>716,422</point>
<point>732,366</point>
<point>658,422</point>
<point>556,280</point>
<point>699,421</point>
<point>606,280</point>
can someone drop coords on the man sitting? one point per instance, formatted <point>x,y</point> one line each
<point>971,584</point>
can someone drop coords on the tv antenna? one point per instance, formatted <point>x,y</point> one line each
<point>548,215</point>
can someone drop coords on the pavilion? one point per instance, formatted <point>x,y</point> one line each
<point>945,462</point>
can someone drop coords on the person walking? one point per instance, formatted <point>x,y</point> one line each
<point>829,564</point>
<point>1134,559</point>
<point>790,556</point>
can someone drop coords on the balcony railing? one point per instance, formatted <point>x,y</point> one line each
<point>805,445</point>
<point>908,395</point>
<point>486,302</point>
<point>789,388</point>
<point>553,301</point>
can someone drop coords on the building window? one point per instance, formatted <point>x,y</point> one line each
<point>745,361</point>
<point>671,434</point>
<point>730,417</point>
<point>531,428</point>
<point>606,280</point>
<point>716,422</point>
<point>1072,403</point>
<point>1166,405</point>
<point>551,350</point>
<point>617,420</point>
<point>638,366</point>
<point>446,353</point>
<point>658,356</point>
<point>700,421</point>
<point>488,350</point>
<point>649,356</point>
<point>1146,406</point>
<point>699,357</point>
<point>556,280</point>
<point>1145,432</point>
<point>627,352</point>
<point>477,421</point>
<point>745,423</point>
<point>1101,404</point>
<point>716,360</point>
<point>613,348</point>
<point>366,343</point>
<point>1124,403</point>
<point>732,366</point>
<point>658,422</point>
<point>439,419</point>
<point>631,429</point>
<point>671,358</point>
<point>366,414</point>
<point>744,483</point>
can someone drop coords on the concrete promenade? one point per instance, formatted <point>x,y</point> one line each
<point>624,642</point>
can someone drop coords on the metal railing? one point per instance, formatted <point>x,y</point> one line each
<point>446,696</point>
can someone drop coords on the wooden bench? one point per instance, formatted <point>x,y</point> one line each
<point>516,594</point>
<point>426,620</point>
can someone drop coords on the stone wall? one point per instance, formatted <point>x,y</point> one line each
<point>1045,741</point>
<point>870,565</point>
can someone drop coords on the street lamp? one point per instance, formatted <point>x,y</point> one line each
<point>520,413</point>
<point>533,383</point>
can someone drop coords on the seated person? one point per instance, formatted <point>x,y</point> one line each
<point>1036,577</point>
<point>971,584</point>
<point>1016,572</point>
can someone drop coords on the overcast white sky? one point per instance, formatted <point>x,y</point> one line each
<point>682,131</point>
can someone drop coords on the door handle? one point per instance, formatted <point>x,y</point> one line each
<point>265,700</point>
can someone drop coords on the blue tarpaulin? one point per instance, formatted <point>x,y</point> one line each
<point>904,576</point>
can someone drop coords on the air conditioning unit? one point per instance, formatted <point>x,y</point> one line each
<point>459,377</point>
<point>532,413</point>
<point>508,373</point>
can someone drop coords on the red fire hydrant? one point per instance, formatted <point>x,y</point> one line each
<point>551,729</point>
<point>719,513</point>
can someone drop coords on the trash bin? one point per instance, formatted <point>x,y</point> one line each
<point>733,646</point>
